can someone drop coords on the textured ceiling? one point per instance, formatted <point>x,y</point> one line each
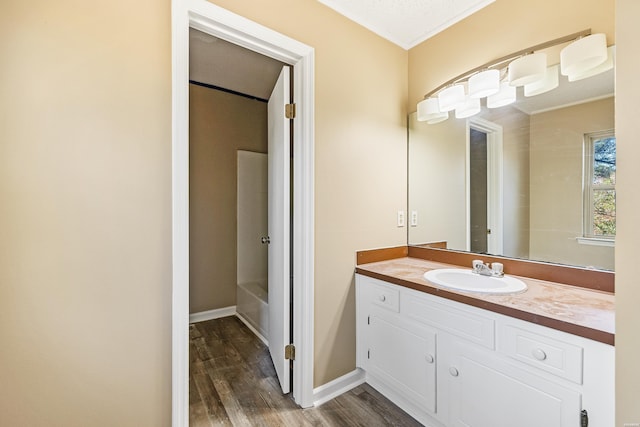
<point>219,63</point>
<point>406,22</point>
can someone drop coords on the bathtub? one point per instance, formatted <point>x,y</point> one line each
<point>252,307</point>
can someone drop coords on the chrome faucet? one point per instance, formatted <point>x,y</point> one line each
<point>496,269</point>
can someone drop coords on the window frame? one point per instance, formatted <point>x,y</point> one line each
<point>588,237</point>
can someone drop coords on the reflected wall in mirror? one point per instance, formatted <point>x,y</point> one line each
<point>521,180</point>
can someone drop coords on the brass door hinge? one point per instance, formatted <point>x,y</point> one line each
<point>290,352</point>
<point>290,111</point>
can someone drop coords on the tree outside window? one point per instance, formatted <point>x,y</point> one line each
<point>599,186</point>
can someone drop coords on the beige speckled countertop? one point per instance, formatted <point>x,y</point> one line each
<point>579,311</point>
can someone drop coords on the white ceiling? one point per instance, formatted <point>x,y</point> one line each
<point>406,22</point>
<point>568,93</point>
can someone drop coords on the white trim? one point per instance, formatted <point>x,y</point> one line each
<point>571,104</point>
<point>180,215</point>
<point>495,193</point>
<point>596,242</point>
<point>254,330</point>
<point>211,19</point>
<point>340,385</point>
<point>217,313</point>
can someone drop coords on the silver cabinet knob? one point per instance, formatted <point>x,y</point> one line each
<point>453,371</point>
<point>265,240</point>
<point>382,298</point>
<point>429,358</point>
<point>539,354</point>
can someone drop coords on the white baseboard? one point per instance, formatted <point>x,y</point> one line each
<point>254,330</point>
<point>212,314</point>
<point>340,385</point>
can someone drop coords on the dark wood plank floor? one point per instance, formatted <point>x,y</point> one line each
<point>232,382</point>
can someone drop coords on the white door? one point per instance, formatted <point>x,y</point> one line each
<point>279,230</point>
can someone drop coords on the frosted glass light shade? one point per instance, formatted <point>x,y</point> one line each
<point>549,82</point>
<point>527,69</point>
<point>469,108</point>
<point>605,66</point>
<point>451,97</point>
<point>484,83</point>
<point>429,111</point>
<point>437,118</point>
<point>583,54</point>
<point>428,108</point>
<point>506,96</point>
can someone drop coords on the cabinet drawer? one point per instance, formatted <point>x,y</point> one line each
<point>381,294</point>
<point>462,323</point>
<point>551,355</point>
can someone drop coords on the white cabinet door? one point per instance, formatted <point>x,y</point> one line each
<point>403,356</point>
<point>488,391</point>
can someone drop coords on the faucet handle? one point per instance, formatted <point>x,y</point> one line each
<point>497,268</point>
<point>477,264</point>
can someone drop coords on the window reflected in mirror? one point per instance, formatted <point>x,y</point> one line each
<point>547,192</point>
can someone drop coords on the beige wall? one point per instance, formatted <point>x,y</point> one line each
<point>557,140</point>
<point>437,182</point>
<point>85,270</point>
<point>628,206</point>
<point>85,218</point>
<point>360,158</point>
<point>220,124</point>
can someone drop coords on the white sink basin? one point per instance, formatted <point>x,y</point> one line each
<point>465,280</point>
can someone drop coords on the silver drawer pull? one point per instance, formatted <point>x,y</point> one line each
<point>539,354</point>
<point>382,298</point>
<point>429,358</point>
<point>453,371</point>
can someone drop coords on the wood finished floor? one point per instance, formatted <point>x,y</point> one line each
<point>232,382</point>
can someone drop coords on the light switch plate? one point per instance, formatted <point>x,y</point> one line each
<point>400,218</point>
<point>414,218</point>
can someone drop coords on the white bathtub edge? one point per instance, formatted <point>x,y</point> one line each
<point>254,330</point>
<point>340,385</point>
<point>212,314</point>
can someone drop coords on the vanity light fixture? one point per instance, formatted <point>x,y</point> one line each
<point>470,107</point>
<point>451,97</point>
<point>527,69</point>
<point>429,111</point>
<point>549,82</point>
<point>438,118</point>
<point>506,96</point>
<point>585,56</point>
<point>484,83</point>
<point>605,66</point>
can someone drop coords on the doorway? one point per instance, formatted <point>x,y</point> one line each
<point>213,20</point>
<point>478,200</point>
<point>484,187</point>
<point>237,102</point>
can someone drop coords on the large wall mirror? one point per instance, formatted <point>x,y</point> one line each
<point>531,180</point>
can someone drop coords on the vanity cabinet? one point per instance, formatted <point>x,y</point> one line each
<point>400,353</point>
<point>450,364</point>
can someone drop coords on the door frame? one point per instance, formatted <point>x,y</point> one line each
<point>495,194</point>
<point>216,21</point>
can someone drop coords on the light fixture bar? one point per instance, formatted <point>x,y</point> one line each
<point>502,60</point>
